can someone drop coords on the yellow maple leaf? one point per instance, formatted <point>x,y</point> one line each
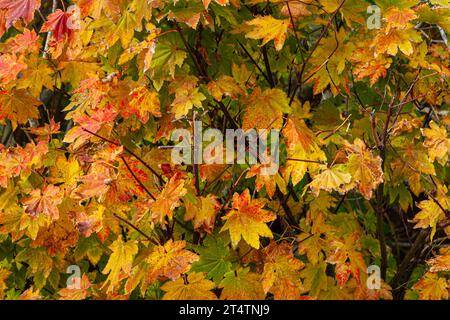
<point>364,167</point>
<point>429,216</point>
<point>399,18</point>
<point>281,272</point>
<point>270,182</point>
<point>202,212</point>
<point>315,278</point>
<point>4,274</point>
<point>169,261</point>
<point>303,151</point>
<point>334,178</point>
<point>247,219</point>
<point>225,86</point>
<point>37,75</point>
<point>351,10</point>
<point>432,287</point>
<point>268,28</point>
<point>241,285</point>
<point>18,106</point>
<point>193,287</point>
<point>74,293</point>
<point>120,262</point>
<point>441,262</point>
<point>96,8</point>
<point>143,103</point>
<point>437,142</point>
<point>125,28</point>
<point>185,100</point>
<point>265,109</point>
<point>296,9</point>
<point>393,40</point>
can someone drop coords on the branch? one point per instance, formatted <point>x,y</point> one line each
<point>255,63</point>
<point>401,276</point>
<point>324,31</point>
<point>137,229</point>
<point>137,179</point>
<point>304,160</point>
<point>267,64</point>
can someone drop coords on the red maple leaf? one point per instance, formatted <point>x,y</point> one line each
<point>17,9</point>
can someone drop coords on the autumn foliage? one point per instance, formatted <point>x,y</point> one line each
<point>91,92</point>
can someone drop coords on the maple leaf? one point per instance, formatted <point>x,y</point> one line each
<point>18,106</point>
<point>364,167</point>
<point>31,294</point>
<point>399,18</point>
<point>334,178</point>
<point>202,212</point>
<point>10,67</point>
<point>429,216</point>
<point>441,262</point>
<point>125,28</point>
<point>76,293</point>
<point>393,40</point>
<point>17,9</point>
<point>431,287</point>
<point>348,260</point>
<point>281,272</point>
<point>311,245</point>
<point>95,184</point>
<point>225,86</point>
<point>265,109</point>
<point>369,66</point>
<point>247,219</point>
<point>296,9</point>
<point>315,278</point>
<point>241,285</point>
<point>169,261</point>
<point>39,262</point>
<point>89,248</point>
<point>437,142</point>
<point>57,24</point>
<point>4,274</point>
<point>44,201</point>
<point>185,100</point>
<point>329,63</point>
<point>120,261</point>
<point>214,259</point>
<point>81,133</point>
<point>95,8</point>
<point>268,28</point>
<point>58,237</point>
<point>37,75</point>
<point>351,10</point>
<point>193,287</point>
<point>47,130</point>
<point>169,53</point>
<point>143,103</point>
<point>26,42</point>
<point>264,180</point>
<point>303,150</point>
<point>169,198</point>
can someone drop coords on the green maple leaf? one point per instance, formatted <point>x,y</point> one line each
<point>214,258</point>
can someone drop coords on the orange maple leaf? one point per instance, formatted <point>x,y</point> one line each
<point>44,201</point>
<point>247,219</point>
